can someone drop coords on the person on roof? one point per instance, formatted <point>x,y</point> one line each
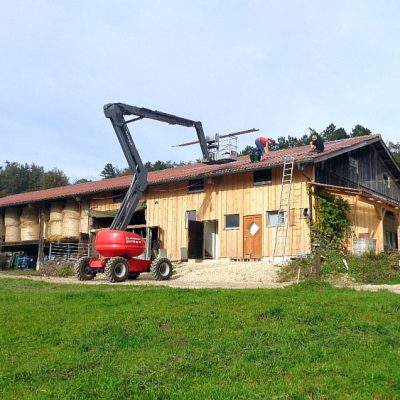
<point>317,144</point>
<point>262,144</point>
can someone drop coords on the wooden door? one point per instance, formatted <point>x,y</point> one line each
<point>252,236</point>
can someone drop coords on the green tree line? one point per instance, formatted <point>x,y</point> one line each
<point>18,178</point>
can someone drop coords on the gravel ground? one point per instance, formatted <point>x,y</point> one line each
<point>224,275</point>
<point>230,275</point>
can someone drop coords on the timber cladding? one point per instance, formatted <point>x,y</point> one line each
<point>233,194</point>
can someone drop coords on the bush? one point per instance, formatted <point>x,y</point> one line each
<point>56,268</point>
<point>367,268</point>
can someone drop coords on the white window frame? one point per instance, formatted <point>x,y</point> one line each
<point>276,213</point>
<point>231,227</point>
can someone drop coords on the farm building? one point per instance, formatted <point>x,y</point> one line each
<point>239,210</point>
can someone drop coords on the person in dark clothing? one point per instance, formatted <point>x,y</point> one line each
<point>317,144</point>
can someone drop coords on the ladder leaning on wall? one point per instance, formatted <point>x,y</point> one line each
<point>281,229</point>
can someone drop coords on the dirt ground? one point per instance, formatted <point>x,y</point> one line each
<point>224,275</point>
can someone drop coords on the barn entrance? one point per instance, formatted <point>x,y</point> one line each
<point>390,228</point>
<point>202,239</point>
<point>195,239</point>
<point>252,236</point>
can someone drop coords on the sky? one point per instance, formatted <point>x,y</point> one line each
<point>279,66</point>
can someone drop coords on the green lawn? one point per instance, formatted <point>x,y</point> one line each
<point>119,342</point>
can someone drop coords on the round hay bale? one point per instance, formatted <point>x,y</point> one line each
<point>70,228</point>
<point>71,210</point>
<point>11,217</point>
<point>55,230</point>
<point>56,211</point>
<point>30,232</point>
<point>70,221</point>
<point>29,216</point>
<point>2,227</point>
<point>84,219</point>
<point>13,234</point>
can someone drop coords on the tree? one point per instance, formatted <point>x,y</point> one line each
<point>18,178</point>
<point>359,130</point>
<point>246,151</point>
<point>54,178</point>
<point>109,171</point>
<point>331,133</point>
<point>394,149</point>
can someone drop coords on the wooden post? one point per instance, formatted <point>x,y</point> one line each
<point>317,261</point>
<point>40,258</point>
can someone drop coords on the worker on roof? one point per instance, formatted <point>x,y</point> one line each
<point>262,144</point>
<point>317,144</point>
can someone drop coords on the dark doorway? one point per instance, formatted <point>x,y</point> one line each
<point>196,234</point>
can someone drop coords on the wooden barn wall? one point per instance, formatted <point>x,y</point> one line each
<point>369,172</point>
<point>224,195</point>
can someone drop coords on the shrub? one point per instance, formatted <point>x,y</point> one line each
<point>367,268</point>
<point>56,268</point>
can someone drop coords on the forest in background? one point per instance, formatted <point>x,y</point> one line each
<point>19,178</point>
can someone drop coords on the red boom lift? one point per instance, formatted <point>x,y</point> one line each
<point>119,249</point>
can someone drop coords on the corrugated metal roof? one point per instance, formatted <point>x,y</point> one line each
<point>273,158</point>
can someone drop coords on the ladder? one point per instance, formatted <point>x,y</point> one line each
<point>281,229</point>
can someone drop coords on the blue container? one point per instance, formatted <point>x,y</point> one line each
<point>25,262</point>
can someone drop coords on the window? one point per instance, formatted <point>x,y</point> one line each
<point>262,177</point>
<point>118,197</point>
<point>190,216</point>
<point>232,221</point>
<point>275,218</point>
<point>305,213</point>
<point>386,180</point>
<point>353,164</point>
<point>196,185</point>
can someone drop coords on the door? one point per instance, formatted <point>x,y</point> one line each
<point>252,236</point>
<point>210,239</point>
<point>195,245</point>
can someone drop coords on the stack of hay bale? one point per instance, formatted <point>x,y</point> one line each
<point>29,224</point>
<point>71,220</point>
<point>2,229</point>
<point>55,221</point>
<point>12,225</point>
<point>84,218</point>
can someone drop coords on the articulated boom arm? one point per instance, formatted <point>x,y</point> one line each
<point>116,112</point>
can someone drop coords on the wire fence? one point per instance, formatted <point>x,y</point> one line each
<point>68,251</point>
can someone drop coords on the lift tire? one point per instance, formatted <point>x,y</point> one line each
<point>133,275</point>
<point>162,269</point>
<point>81,270</point>
<point>117,269</point>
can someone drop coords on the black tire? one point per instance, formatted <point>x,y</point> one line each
<point>81,270</point>
<point>162,269</point>
<point>133,275</point>
<point>117,269</point>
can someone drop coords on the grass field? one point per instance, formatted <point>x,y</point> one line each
<point>114,342</point>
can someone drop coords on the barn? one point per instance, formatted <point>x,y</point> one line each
<point>234,211</point>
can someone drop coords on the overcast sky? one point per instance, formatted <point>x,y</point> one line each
<point>280,66</point>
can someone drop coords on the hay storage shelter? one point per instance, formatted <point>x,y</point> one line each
<point>229,211</point>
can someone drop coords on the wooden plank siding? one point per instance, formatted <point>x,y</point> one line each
<point>223,195</point>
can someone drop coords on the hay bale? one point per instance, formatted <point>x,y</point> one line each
<point>11,224</point>
<point>11,217</point>
<point>30,232</point>
<point>71,220</point>
<point>84,218</point>
<point>12,234</point>
<point>55,230</point>
<point>29,216</point>
<point>2,227</point>
<point>56,211</point>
